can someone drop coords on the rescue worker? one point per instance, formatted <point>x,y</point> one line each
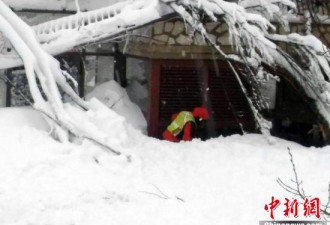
<point>183,123</point>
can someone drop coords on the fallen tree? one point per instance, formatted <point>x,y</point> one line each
<point>249,27</point>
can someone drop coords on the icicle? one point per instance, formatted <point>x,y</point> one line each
<point>96,16</point>
<point>77,6</point>
<point>109,13</point>
<point>89,18</point>
<point>52,28</point>
<point>70,22</point>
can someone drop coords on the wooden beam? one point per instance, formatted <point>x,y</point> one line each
<point>153,101</point>
<point>8,88</point>
<point>174,51</point>
<point>69,12</point>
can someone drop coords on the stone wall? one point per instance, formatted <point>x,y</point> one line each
<point>176,32</point>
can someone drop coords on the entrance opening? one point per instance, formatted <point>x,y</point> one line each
<point>184,84</point>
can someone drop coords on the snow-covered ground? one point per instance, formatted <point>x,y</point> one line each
<point>220,181</point>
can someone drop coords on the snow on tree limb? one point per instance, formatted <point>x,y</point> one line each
<point>63,34</point>
<point>253,43</point>
<point>263,125</point>
<point>39,65</point>
<point>311,71</point>
<point>248,25</point>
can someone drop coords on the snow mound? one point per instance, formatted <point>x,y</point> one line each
<point>138,94</point>
<point>16,118</point>
<point>188,183</point>
<point>223,180</point>
<point>115,97</point>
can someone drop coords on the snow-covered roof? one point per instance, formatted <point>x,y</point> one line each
<point>58,4</point>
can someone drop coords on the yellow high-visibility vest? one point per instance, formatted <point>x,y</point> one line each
<point>178,123</point>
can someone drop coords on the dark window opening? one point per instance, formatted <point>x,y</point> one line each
<point>18,84</point>
<point>293,119</point>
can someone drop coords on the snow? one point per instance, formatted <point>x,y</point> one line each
<point>220,181</point>
<point>115,97</point>
<point>61,35</point>
<point>137,72</point>
<point>12,119</point>
<point>138,94</point>
<point>59,4</point>
<point>308,40</point>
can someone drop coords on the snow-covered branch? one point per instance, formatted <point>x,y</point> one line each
<point>42,67</point>
<point>255,46</point>
<point>63,34</point>
<point>249,28</point>
<point>297,189</point>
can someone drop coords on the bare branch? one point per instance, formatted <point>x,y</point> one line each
<point>297,189</point>
<point>161,194</point>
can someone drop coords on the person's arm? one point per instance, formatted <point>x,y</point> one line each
<point>169,136</point>
<point>187,132</point>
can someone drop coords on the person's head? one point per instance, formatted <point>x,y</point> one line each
<point>201,112</point>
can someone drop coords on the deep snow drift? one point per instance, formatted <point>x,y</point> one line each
<point>115,97</point>
<point>220,181</point>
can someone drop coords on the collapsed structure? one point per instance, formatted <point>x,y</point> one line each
<point>176,58</point>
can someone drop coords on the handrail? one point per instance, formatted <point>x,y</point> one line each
<point>78,20</point>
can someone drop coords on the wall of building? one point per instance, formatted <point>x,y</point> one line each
<point>171,39</point>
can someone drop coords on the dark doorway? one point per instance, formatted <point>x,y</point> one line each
<point>178,85</point>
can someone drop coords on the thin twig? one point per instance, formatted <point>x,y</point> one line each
<point>7,80</point>
<point>157,195</point>
<point>299,191</point>
<point>301,194</point>
<point>161,194</point>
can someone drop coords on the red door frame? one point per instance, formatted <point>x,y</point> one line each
<point>153,101</point>
<point>154,87</point>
